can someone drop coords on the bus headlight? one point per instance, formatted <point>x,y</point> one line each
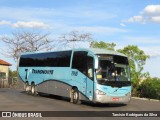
<point>99,92</point>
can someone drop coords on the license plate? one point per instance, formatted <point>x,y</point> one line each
<point>115,99</point>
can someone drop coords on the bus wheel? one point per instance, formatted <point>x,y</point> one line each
<point>75,96</point>
<point>33,90</point>
<point>27,88</point>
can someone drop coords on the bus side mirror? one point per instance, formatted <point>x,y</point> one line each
<point>96,65</point>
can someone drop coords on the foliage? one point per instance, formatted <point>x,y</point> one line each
<point>104,45</point>
<point>14,73</point>
<point>13,78</point>
<point>150,88</point>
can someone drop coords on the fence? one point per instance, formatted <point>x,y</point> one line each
<point>3,83</point>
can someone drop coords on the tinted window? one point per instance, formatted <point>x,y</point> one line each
<point>114,58</point>
<point>120,59</point>
<point>51,59</point>
<point>80,61</point>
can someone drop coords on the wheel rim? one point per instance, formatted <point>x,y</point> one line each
<point>27,88</point>
<point>33,90</point>
<point>75,96</point>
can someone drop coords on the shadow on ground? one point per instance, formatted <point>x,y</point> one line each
<point>66,99</point>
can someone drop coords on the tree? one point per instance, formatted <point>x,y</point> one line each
<point>150,88</point>
<point>137,59</point>
<point>74,38</point>
<point>104,45</point>
<point>25,42</point>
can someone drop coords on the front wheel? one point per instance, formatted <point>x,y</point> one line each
<point>75,96</point>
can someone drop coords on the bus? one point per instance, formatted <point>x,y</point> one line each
<point>96,75</point>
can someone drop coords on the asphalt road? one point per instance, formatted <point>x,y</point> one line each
<point>17,100</point>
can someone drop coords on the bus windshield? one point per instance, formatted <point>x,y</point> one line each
<point>112,68</point>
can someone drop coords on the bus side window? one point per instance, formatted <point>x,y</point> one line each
<point>90,67</point>
<point>79,61</point>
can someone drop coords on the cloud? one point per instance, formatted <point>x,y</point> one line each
<point>152,10</point>
<point>4,22</point>
<point>122,24</point>
<point>31,24</point>
<point>23,24</point>
<point>150,13</point>
<point>94,30</point>
<point>100,29</point>
<point>22,14</point>
<point>142,40</point>
<point>75,16</point>
<point>137,19</point>
<point>152,51</point>
<point>34,14</point>
<point>156,19</point>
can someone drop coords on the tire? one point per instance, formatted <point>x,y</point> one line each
<point>27,88</point>
<point>33,90</point>
<point>75,96</point>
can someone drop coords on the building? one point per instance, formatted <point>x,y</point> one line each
<point>4,73</point>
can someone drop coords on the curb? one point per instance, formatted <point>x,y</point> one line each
<point>148,99</point>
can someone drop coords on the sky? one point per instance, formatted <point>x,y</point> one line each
<point>124,22</point>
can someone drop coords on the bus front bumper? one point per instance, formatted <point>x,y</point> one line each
<point>112,99</point>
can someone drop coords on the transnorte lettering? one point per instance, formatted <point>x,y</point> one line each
<point>42,71</point>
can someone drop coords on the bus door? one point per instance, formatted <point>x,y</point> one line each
<point>83,62</point>
<point>90,78</point>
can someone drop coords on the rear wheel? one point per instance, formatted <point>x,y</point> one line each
<point>33,90</point>
<point>27,88</point>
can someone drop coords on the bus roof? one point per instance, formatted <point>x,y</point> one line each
<point>93,50</point>
<point>105,51</point>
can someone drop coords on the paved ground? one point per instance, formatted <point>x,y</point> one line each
<point>17,100</point>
